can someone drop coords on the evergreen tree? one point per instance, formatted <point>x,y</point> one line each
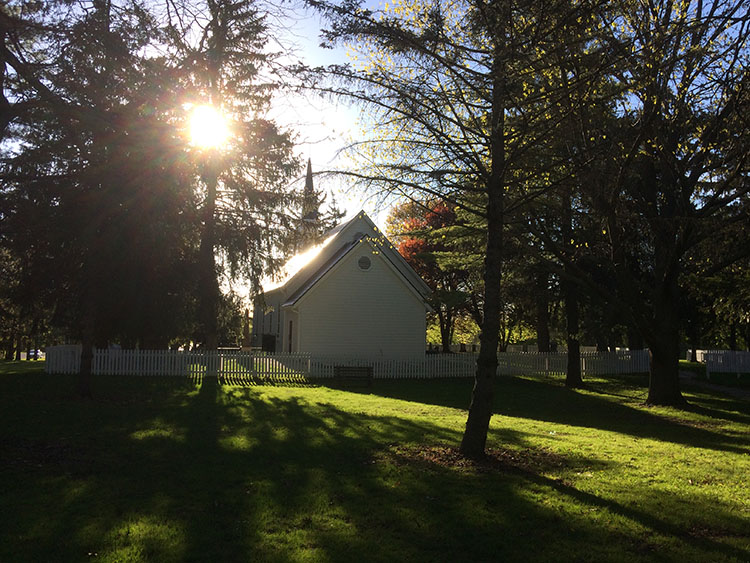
<point>100,184</point>
<point>244,184</point>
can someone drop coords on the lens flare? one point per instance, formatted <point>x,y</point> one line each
<point>208,128</point>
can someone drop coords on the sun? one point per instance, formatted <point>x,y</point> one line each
<point>208,128</point>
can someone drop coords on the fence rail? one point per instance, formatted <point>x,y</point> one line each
<point>236,364</point>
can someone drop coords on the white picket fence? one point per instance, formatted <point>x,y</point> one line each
<point>726,361</point>
<point>592,363</point>
<point>236,366</point>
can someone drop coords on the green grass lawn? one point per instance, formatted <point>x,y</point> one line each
<point>174,470</point>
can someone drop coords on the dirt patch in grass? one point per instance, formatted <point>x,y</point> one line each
<point>39,454</point>
<point>496,460</point>
<point>714,533</point>
<point>711,425</point>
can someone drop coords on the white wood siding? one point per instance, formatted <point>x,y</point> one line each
<point>352,312</point>
<point>290,316</point>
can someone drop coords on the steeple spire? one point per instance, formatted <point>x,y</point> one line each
<point>312,222</point>
<point>310,201</point>
<point>308,179</point>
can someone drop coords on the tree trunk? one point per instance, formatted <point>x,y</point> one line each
<point>208,284</point>
<point>693,339</point>
<point>664,347</point>
<point>445,335</point>
<point>87,351</point>
<point>664,378</point>
<point>570,296</point>
<point>10,350</point>
<point>733,336</point>
<point>480,411</point>
<point>573,375</point>
<point>635,339</point>
<point>542,312</point>
<point>601,343</point>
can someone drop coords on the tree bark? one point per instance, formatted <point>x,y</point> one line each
<point>87,349</point>
<point>573,375</point>
<point>733,336</point>
<point>445,333</point>
<point>664,379</point>
<point>542,312</point>
<point>664,346</point>
<point>208,284</point>
<point>480,411</point>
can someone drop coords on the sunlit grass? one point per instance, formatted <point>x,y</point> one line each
<point>164,469</point>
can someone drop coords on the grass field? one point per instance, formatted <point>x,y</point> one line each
<point>178,470</point>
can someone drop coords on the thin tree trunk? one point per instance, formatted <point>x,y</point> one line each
<point>10,350</point>
<point>445,336</point>
<point>208,286</point>
<point>693,339</point>
<point>733,336</point>
<point>635,339</point>
<point>87,349</point>
<point>542,312</point>
<point>573,376</point>
<point>480,411</point>
<point>570,295</point>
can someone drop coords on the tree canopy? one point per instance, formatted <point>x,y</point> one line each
<point>621,122</point>
<point>105,204</point>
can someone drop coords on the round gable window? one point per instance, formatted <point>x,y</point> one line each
<point>364,263</point>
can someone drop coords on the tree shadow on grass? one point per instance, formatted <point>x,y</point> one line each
<point>720,408</point>
<point>229,474</point>
<point>552,402</point>
<point>253,380</point>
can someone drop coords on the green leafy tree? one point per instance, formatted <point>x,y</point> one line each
<point>455,110</point>
<point>681,160</point>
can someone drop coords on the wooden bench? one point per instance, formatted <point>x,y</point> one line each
<point>348,375</point>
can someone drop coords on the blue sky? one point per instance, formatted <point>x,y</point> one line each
<point>323,127</point>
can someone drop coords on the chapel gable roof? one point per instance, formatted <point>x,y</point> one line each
<point>304,270</point>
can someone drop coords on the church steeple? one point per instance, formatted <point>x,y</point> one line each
<point>308,178</point>
<point>308,229</point>
<point>309,198</point>
<point>311,221</point>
